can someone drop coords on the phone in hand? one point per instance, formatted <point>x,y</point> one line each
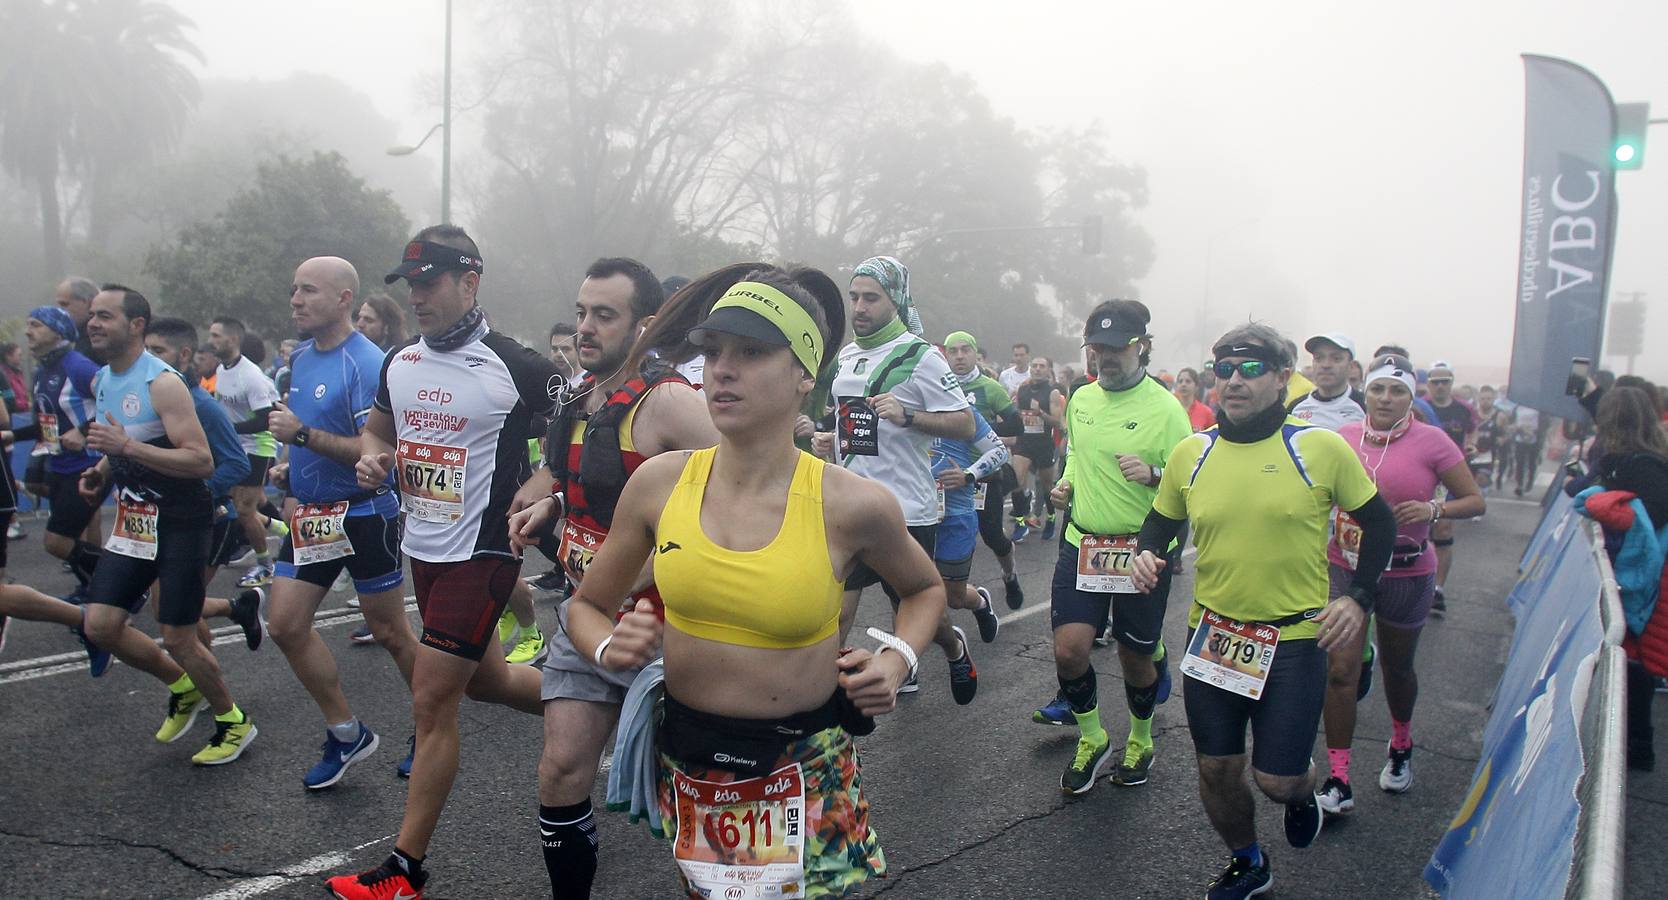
<point>1576,385</point>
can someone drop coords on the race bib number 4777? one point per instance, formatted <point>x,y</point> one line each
<point>432,480</point>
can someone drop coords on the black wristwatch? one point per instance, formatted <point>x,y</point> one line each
<point>909,418</point>
<point>1362,597</point>
<point>968,478</point>
<point>301,436</point>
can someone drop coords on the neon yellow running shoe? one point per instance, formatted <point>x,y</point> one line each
<point>229,741</point>
<point>506,626</point>
<point>182,712</point>
<point>528,648</point>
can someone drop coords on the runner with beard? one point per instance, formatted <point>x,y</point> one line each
<point>894,393</point>
<point>606,426</point>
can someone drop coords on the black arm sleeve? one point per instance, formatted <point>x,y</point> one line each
<point>255,424</point>
<point>1378,539</point>
<point>1008,423</point>
<point>1158,531</point>
<point>29,432</point>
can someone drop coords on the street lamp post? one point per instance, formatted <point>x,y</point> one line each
<point>444,126</point>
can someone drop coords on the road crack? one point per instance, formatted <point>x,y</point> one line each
<point>96,841</point>
<point>895,879</point>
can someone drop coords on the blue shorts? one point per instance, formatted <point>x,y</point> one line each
<point>954,550</point>
<point>1137,619</point>
<point>374,564</point>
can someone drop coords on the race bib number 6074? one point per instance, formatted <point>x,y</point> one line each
<point>432,480</point>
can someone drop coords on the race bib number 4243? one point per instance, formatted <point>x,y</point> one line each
<point>318,533</point>
<point>432,480</point>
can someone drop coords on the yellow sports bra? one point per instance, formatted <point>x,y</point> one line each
<point>779,597</point>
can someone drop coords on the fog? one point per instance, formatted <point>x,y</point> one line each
<point>1320,166</point>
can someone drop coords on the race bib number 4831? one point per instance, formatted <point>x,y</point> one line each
<point>432,480</point>
<point>744,839</point>
<point>135,531</point>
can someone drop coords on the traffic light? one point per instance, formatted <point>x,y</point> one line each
<point>1631,121</point>
<point>1091,235</point>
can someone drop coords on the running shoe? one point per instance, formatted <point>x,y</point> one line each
<point>404,768</point>
<point>1086,765</point>
<point>1241,879</point>
<point>1303,823</point>
<point>338,756</point>
<point>1048,529</point>
<point>1137,762</point>
<point>1162,664</point>
<point>257,576</point>
<point>98,658</point>
<point>1056,712</point>
<point>1439,606</point>
<point>276,528</point>
<point>528,649</point>
<point>1335,797</point>
<point>183,708</point>
<point>229,741</point>
<point>1364,686</point>
<point>246,613</point>
<point>15,532</point>
<point>385,882</point>
<point>552,582</point>
<point>989,624</point>
<point>247,557</point>
<point>343,584</point>
<point>1103,637</point>
<point>910,685</point>
<point>362,635</point>
<point>1021,531</point>
<point>964,678</point>
<point>1397,776</point>
<point>1034,522</point>
<point>506,626</point>
<point>1013,593</point>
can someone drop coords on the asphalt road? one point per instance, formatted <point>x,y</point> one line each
<point>966,799</point>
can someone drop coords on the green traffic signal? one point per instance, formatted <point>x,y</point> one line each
<point>1631,121</point>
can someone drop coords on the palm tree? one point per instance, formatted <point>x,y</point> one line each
<point>86,87</point>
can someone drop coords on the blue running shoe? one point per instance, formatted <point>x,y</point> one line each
<point>1048,528</point>
<point>1021,531</point>
<point>1057,712</point>
<point>1162,664</point>
<point>404,770</point>
<point>338,756</point>
<point>98,659</point>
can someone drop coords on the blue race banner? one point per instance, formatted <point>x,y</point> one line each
<point>1569,215</point>
<point>1514,836</point>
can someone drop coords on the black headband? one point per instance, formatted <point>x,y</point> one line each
<point>1268,355</point>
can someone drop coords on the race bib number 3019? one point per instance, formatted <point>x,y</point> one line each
<point>744,839</point>
<point>1235,656</point>
<point>432,480</point>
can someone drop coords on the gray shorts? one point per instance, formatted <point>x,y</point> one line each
<point>570,675</point>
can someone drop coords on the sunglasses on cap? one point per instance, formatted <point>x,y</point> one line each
<point>1248,369</point>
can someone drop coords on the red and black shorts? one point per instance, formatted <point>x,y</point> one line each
<point>460,602</point>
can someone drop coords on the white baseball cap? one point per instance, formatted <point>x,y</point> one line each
<point>1334,338</point>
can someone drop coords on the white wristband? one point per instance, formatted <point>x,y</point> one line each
<point>601,648</point>
<point>898,644</point>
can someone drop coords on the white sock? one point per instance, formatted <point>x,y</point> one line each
<point>346,732</point>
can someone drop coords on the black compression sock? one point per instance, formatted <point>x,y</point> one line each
<point>267,509</point>
<point>569,837</point>
<point>1081,692</point>
<point>83,559</point>
<point>412,866</point>
<point>1021,503</point>
<point>1141,700</point>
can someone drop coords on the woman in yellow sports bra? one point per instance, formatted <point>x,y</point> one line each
<point>752,541</point>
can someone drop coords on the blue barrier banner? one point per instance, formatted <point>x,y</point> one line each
<point>1514,836</point>
<point>1554,523</point>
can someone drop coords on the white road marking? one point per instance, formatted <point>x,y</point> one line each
<point>317,865</point>
<point>76,661</point>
